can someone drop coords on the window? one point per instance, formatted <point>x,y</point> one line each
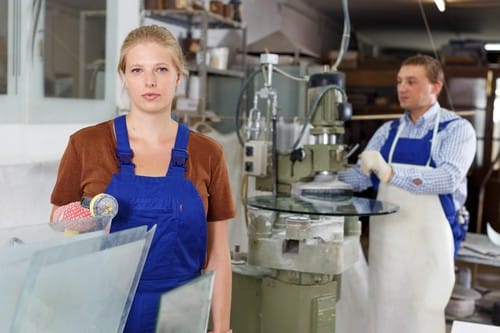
<point>55,64</point>
<point>3,46</point>
<point>74,49</point>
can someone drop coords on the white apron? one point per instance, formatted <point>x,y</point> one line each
<point>410,266</point>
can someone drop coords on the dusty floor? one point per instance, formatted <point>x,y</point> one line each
<point>486,280</point>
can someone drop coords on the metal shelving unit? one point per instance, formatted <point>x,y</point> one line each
<point>204,21</point>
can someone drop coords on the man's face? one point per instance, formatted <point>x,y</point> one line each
<point>415,92</point>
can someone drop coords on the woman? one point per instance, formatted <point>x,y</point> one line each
<point>160,173</point>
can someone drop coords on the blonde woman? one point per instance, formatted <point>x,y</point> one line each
<point>161,173</point>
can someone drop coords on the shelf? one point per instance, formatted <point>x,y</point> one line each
<point>380,116</point>
<point>192,18</point>
<point>215,71</point>
<point>371,78</point>
<point>375,116</point>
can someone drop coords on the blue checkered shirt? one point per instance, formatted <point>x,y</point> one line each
<point>452,154</point>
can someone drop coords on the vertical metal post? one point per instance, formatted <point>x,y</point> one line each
<point>81,55</point>
<point>203,65</point>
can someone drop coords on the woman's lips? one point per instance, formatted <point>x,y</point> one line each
<point>150,96</point>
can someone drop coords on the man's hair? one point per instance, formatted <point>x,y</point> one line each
<point>433,68</point>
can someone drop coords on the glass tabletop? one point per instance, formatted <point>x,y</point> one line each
<point>352,206</point>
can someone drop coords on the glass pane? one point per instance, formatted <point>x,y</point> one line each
<point>90,282</point>
<point>45,232</point>
<point>354,206</point>
<point>186,308</point>
<point>74,48</point>
<point>4,23</point>
<point>17,247</point>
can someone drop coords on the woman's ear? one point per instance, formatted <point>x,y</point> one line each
<point>122,77</point>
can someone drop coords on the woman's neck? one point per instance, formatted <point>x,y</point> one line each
<point>155,127</point>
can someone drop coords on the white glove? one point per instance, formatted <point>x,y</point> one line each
<point>372,161</point>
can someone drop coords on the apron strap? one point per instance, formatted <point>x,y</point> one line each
<point>179,152</point>
<point>402,125</point>
<point>123,151</point>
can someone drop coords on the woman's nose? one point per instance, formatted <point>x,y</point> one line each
<point>150,80</point>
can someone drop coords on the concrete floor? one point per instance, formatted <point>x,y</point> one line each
<point>486,280</point>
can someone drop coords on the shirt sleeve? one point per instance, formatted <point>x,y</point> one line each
<point>453,156</point>
<point>67,187</point>
<point>353,175</point>
<point>220,198</point>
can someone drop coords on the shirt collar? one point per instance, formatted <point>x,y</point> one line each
<point>428,116</point>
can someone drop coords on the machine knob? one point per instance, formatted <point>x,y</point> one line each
<point>298,154</point>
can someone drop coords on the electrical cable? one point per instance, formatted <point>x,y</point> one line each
<point>290,76</point>
<point>434,50</point>
<point>313,107</point>
<point>344,44</point>
<point>244,88</point>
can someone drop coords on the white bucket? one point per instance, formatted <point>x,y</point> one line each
<point>219,57</point>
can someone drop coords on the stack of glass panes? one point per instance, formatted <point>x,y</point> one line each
<point>187,308</point>
<point>63,278</point>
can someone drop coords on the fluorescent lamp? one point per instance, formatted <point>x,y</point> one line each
<point>492,46</point>
<point>440,4</point>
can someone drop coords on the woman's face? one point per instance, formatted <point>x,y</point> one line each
<point>150,77</point>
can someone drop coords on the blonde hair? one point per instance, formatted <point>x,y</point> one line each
<point>152,33</point>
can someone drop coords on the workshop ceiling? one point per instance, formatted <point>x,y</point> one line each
<point>400,24</point>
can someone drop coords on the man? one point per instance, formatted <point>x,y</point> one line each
<point>418,162</point>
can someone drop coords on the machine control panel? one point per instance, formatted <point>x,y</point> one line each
<point>255,158</point>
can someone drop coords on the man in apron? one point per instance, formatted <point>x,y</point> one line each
<point>418,162</point>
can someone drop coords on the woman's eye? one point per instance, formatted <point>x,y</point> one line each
<point>135,70</point>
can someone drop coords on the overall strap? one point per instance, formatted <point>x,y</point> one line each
<point>400,130</point>
<point>179,152</point>
<point>123,151</point>
<point>386,148</point>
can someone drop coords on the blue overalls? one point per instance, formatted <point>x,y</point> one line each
<point>418,152</point>
<point>178,249</point>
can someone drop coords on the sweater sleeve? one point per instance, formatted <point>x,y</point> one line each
<point>67,187</point>
<point>220,198</point>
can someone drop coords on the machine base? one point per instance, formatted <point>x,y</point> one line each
<point>264,304</point>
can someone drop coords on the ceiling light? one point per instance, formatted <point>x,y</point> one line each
<point>492,46</point>
<point>440,4</point>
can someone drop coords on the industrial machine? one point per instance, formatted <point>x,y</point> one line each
<point>303,226</point>
<point>304,231</point>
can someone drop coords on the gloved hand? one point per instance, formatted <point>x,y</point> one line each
<point>71,211</point>
<point>372,161</point>
<point>72,218</point>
